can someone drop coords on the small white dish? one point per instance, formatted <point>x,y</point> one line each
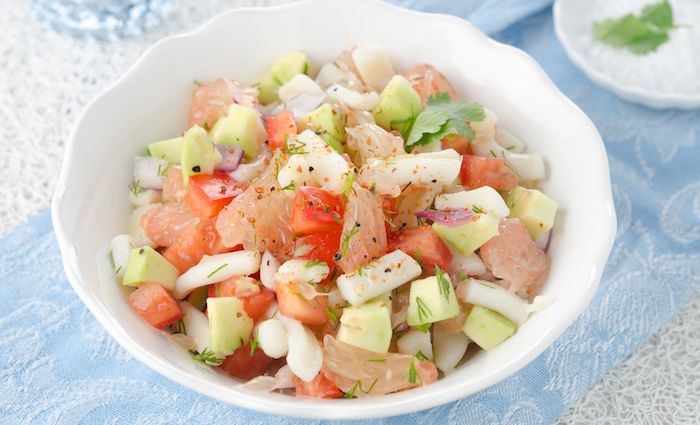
<point>151,100</point>
<point>569,25</point>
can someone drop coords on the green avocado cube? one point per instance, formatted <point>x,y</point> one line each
<point>279,73</point>
<point>267,88</point>
<point>535,209</point>
<point>398,103</point>
<point>199,155</point>
<point>241,127</point>
<point>169,150</point>
<point>367,326</point>
<point>229,324</point>
<point>147,265</point>
<point>431,300</point>
<point>198,297</point>
<point>327,123</point>
<point>488,328</point>
<point>468,237</point>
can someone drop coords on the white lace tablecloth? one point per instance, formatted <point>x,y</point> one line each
<point>46,79</point>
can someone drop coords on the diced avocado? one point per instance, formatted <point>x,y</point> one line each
<point>288,66</point>
<point>327,123</point>
<point>535,209</point>
<point>199,155</point>
<point>147,265</point>
<point>240,127</point>
<point>431,300</point>
<point>198,297</point>
<point>229,324</point>
<point>488,328</point>
<point>169,150</point>
<point>279,73</point>
<point>367,326</point>
<point>267,88</point>
<point>467,237</point>
<point>398,102</point>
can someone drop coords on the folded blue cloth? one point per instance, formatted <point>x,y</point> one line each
<point>57,365</point>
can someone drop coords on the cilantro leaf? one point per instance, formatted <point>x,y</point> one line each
<point>639,34</point>
<point>648,43</point>
<point>658,14</point>
<point>442,117</point>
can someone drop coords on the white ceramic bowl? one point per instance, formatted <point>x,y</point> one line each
<point>151,100</point>
<point>569,26</point>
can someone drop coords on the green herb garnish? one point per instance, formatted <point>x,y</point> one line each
<point>376,360</point>
<point>254,343</point>
<point>421,356</point>
<point>181,327</point>
<point>358,385</point>
<point>216,270</point>
<point>443,282</point>
<point>164,171</point>
<point>348,183</point>
<point>477,209</point>
<point>208,357</point>
<point>423,310</point>
<point>412,373</point>
<point>346,240</point>
<point>313,263</point>
<point>640,34</point>
<point>135,187</point>
<point>332,315</point>
<point>290,186</point>
<point>440,118</point>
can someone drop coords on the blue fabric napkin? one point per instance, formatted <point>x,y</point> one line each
<point>57,365</point>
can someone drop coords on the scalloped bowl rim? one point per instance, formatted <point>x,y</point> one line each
<point>628,92</point>
<point>390,405</point>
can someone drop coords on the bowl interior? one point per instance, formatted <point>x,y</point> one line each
<point>151,103</point>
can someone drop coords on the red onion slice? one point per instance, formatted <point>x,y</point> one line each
<point>230,157</point>
<point>453,217</point>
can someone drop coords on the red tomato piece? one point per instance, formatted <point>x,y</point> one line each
<point>194,243</point>
<point>479,171</point>
<point>422,244</point>
<point>246,365</point>
<point>254,304</point>
<point>155,305</point>
<point>316,210</point>
<point>279,127</point>
<point>293,304</point>
<point>207,194</point>
<point>319,387</point>
<point>323,245</point>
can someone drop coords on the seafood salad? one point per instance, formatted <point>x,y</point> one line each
<point>342,231</point>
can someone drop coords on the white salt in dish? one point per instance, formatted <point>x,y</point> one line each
<point>666,78</point>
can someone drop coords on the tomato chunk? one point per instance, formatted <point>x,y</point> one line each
<point>479,171</point>
<point>255,304</point>
<point>316,210</point>
<point>155,305</point>
<point>194,243</point>
<point>293,304</point>
<point>319,387</point>
<point>323,246</point>
<point>246,365</point>
<point>279,127</point>
<point>207,194</point>
<point>422,244</point>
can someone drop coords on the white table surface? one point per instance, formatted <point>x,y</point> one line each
<point>46,79</point>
